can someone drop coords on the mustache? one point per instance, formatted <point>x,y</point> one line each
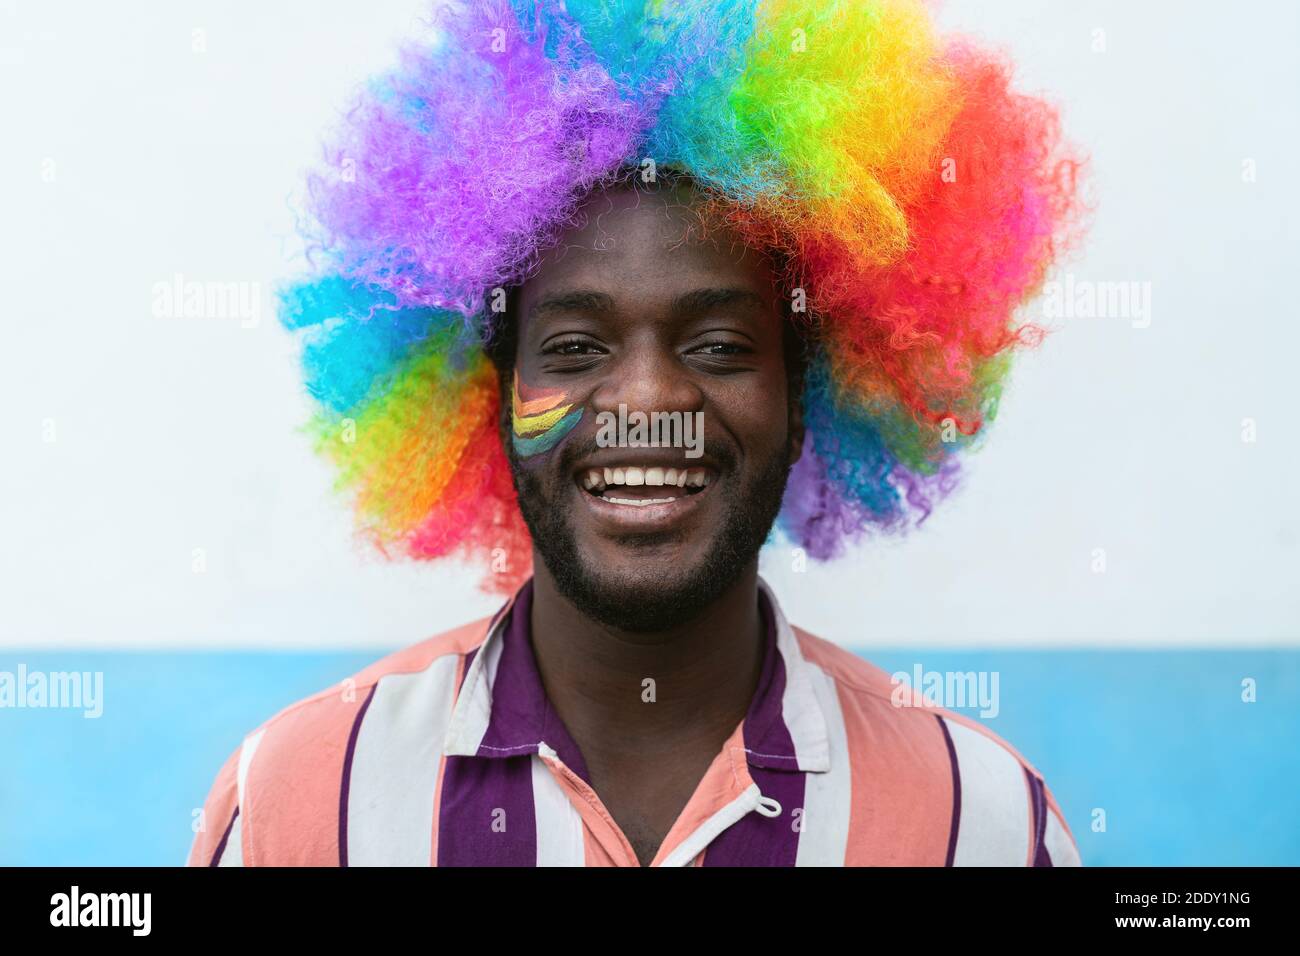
<point>577,447</point>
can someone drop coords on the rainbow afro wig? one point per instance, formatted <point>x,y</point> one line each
<point>913,196</point>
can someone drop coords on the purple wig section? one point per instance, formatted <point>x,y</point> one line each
<point>444,177</point>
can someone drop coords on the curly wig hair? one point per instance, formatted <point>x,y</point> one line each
<point>913,199</point>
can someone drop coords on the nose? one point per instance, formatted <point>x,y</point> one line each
<point>648,376</point>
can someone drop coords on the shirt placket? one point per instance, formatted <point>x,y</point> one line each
<point>513,709</point>
<point>724,795</point>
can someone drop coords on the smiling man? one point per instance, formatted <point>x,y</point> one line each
<point>805,226</point>
<point>631,314</point>
<point>644,612</point>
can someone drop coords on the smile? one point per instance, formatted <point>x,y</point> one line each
<point>637,487</point>
<point>630,499</point>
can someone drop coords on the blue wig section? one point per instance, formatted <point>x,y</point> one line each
<point>850,442</point>
<point>354,337</point>
<point>678,60</point>
<point>659,46</point>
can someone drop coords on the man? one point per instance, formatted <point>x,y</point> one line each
<point>640,699</point>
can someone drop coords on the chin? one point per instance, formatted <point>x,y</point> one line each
<point>650,579</point>
<point>640,589</point>
<point>640,569</point>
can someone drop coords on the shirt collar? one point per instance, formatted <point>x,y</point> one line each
<point>502,709</point>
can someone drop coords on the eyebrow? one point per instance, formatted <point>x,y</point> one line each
<point>577,301</point>
<point>701,300</point>
<point>697,300</point>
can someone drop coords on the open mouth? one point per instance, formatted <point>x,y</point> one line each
<point>639,487</point>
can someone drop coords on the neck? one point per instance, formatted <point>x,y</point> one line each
<point>705,672</point>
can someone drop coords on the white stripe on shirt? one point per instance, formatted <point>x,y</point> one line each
<point>559,825</point>
<point>395,767</point>
<point>994,826</point>
<point>828,797</point>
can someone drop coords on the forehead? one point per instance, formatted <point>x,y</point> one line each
<point>648,243</point>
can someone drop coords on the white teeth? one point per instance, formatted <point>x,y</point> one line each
<point>598,479</point>
<point>639,502</point>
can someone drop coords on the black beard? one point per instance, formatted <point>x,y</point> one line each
<point>641,606</point>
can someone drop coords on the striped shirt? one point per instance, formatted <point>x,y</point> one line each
<point>448,753</point>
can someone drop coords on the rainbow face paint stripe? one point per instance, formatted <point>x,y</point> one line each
<point>540,420</point>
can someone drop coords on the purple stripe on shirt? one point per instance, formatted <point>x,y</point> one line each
<point>1041,856</point>
<point>757,840</point>
<point>221,847</point>
<point>522,715</point>
<point>956,793</point>
<point>347,776</point>
<point>487,815</point>
<point>767,738</point>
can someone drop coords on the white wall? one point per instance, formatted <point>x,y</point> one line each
<point>176,434</point>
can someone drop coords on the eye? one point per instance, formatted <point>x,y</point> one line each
<point>721,348</point>
<point>722,356</point>
<point>572,346</point>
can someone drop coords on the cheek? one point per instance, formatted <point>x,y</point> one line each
<point>531,439</point>
<point>540,419</point>
<point>758,416</point>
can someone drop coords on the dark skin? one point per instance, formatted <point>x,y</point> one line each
<point>634,308</point>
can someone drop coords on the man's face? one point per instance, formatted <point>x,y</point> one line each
<point>634,309</point>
